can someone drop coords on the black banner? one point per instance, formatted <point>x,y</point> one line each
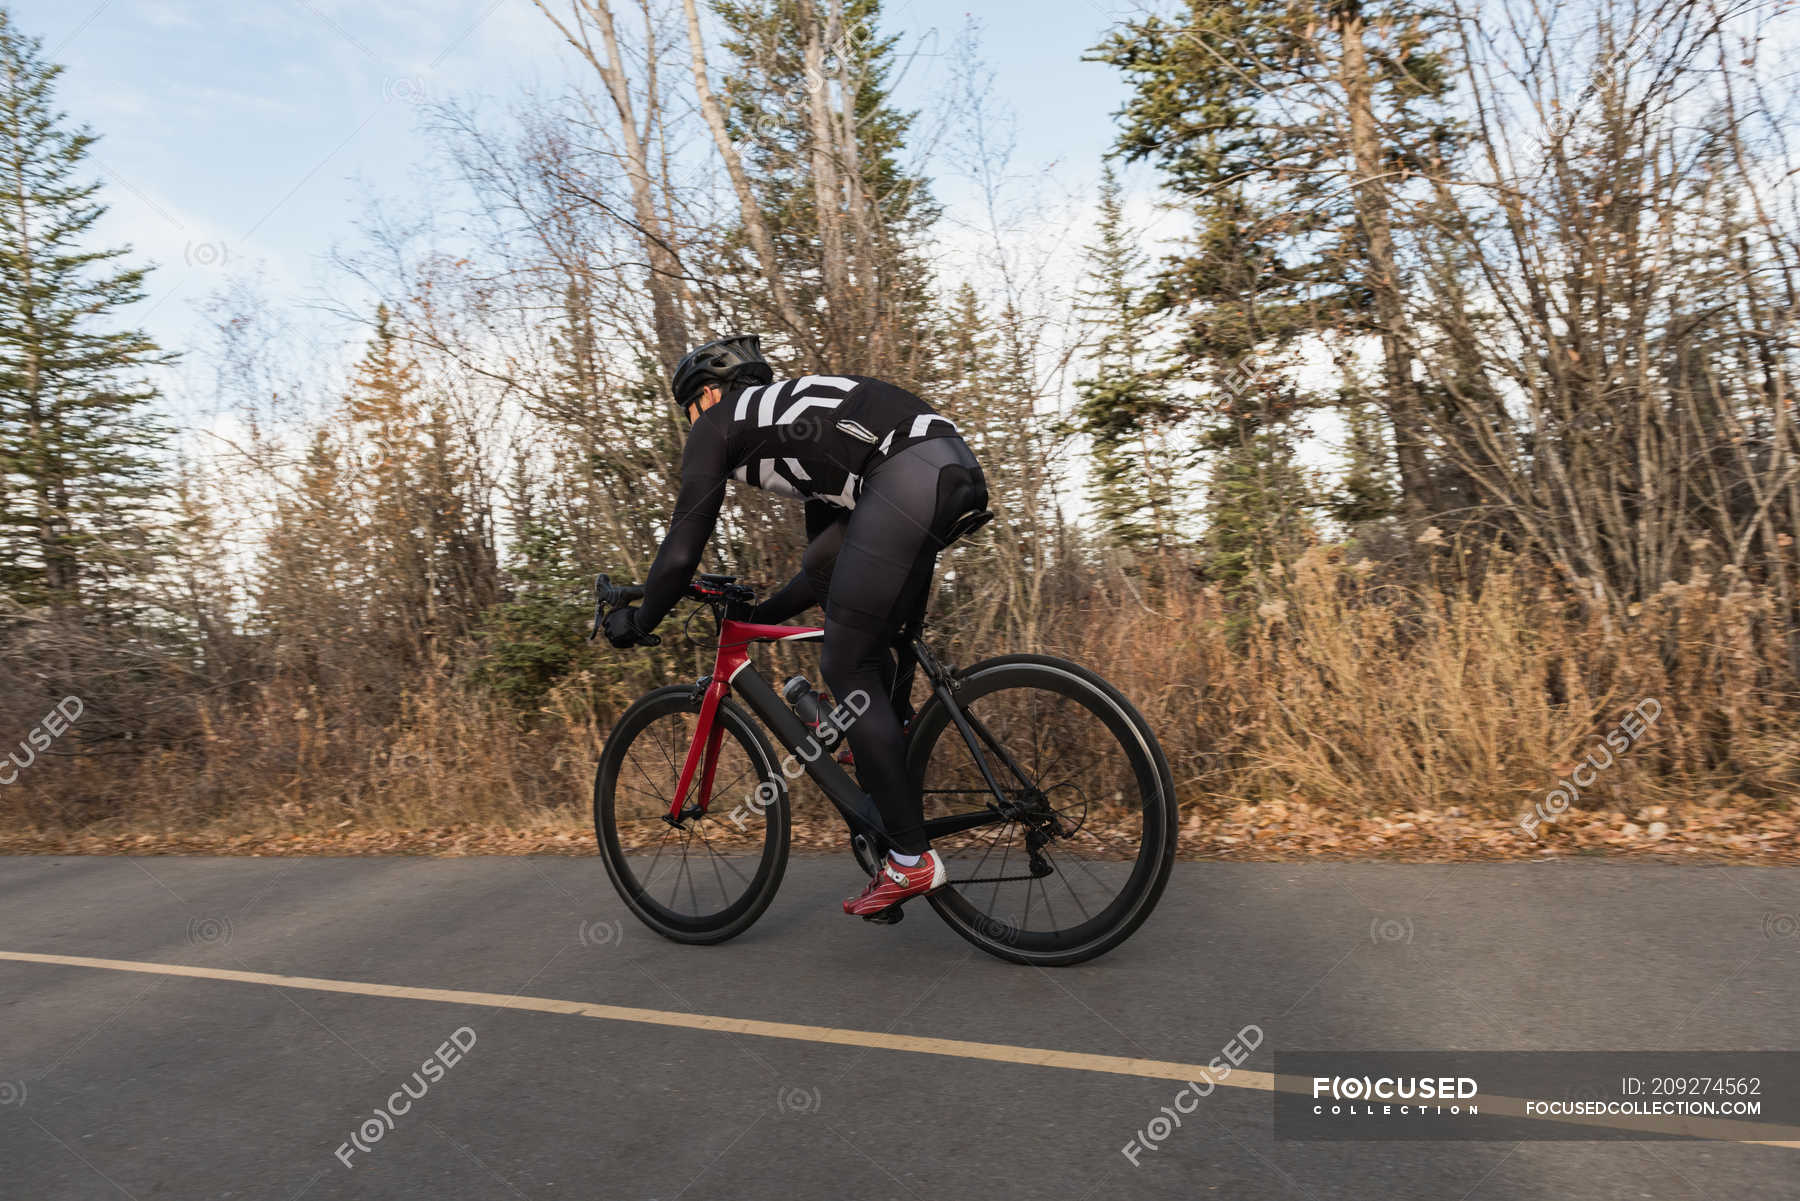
<point>1741,1096</point>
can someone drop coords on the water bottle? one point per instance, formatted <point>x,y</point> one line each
<point>812,707</point>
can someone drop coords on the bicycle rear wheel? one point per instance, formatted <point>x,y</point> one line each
<point>712,877</point>
<point>1074,858</point>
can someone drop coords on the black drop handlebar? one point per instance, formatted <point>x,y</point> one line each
<point>715,590</point>
<point>609,596</point>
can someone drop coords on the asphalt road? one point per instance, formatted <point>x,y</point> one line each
<point>142,1084</point>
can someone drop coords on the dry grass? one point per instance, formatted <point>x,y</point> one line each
<point>1338,693</point>
<point>1344,691</point>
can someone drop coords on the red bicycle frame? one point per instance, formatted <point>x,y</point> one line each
<point>735,638</point>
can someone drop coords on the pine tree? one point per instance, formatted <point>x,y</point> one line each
<point>1294,130</point>
<point>78,445</point>
<point>1258,498</point>
<point>424,528</point>
<point>313,569</point>
<point>989,397</point>
<point>538,633</point>
<point>1367,491</point>
<point>870,303</point>
<point>1124,407</point>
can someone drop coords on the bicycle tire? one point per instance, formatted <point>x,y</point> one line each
<point>730,919</point>
<point>1148,767</point>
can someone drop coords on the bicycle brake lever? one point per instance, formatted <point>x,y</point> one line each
<point>603,592</point>
<point>601,586</point>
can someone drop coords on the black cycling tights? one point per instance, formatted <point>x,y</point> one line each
<point>880,582</point>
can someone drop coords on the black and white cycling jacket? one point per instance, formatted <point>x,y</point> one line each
<point>815,438</point>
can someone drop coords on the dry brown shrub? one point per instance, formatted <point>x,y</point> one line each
<point>1338,688</point>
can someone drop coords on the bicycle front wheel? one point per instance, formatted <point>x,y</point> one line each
<point>1072,856</point>
<point>709,878</point>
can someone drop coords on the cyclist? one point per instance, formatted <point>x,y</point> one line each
<point>888,484</point>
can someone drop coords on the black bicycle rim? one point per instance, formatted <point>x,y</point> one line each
<point>713,876</point>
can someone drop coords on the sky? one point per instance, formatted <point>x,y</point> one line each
<point>247,138</point>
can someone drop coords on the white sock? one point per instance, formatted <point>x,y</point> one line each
<point>905,860</point>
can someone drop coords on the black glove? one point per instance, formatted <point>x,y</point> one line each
<point>621,627</point>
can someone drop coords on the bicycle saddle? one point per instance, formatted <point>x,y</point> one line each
<point>967,524</point>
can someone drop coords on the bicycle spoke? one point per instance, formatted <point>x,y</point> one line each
<point>652,783</point>
<point>665,875</point>
<point>731,784</point>
<point>1048,908</point>
<point>1064,876</point>
<point>667,756</point>
<point>720,859</point>
<point>1004,857</point>
<point>692,895</point>
<point>992,842</point>
<point>657,858</point>
<point>718,876</point>
<point>1056,748</point>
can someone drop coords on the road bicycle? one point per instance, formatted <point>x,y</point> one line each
<point>1045,792</point>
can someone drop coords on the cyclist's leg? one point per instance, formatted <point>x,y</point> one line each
<point>883,574</point>
<point>961,488</point>
<point>857,659</point>
<point>900,668</point>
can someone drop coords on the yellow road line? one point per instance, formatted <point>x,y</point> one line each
<point>1079,1061</point>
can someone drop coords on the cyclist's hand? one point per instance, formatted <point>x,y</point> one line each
<point>621,627</point>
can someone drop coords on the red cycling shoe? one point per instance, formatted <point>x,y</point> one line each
<point>894,884</point>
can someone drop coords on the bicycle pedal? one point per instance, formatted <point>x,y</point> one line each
<point>887,917</point>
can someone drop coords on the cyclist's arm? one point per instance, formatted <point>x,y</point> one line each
<point>824,535</point>
<point>696,512</point>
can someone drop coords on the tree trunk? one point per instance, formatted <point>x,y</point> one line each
<point>665,266</point>
<point>751,213</point>
<point>1372,210</point>
<point>827,193</point>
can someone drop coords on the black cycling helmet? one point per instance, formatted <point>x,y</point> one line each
<point>722,363</point>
